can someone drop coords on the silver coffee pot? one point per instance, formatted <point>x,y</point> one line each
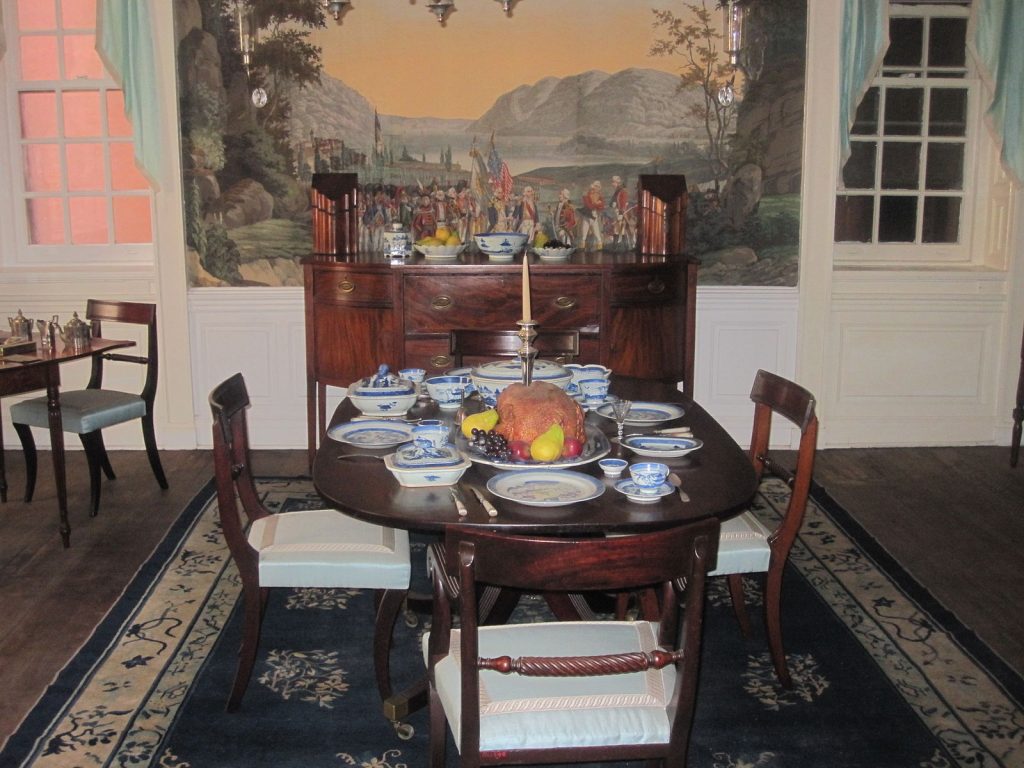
<point>21,327</point>
<point>76,333</point>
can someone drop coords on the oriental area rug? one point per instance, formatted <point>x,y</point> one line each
<point>883,676</point>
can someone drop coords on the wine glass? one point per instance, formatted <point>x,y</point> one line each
<point>620,410</point>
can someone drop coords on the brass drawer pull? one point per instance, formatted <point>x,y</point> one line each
<point>656,286</point>
<point>440,361</point>
<point>565,302</point>
<point>441,302</point>
<point>346,286</point>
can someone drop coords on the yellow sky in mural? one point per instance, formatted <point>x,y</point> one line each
<point>396,54</point>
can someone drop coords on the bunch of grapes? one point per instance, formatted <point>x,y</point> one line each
<point>555,244</point>
<point>491,444</point>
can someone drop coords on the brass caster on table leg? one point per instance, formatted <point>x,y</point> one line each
<point>411,619</point>
<point>404,731</point>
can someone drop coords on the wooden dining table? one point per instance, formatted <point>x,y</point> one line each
<point>718,480</point>
<point>30,371</point>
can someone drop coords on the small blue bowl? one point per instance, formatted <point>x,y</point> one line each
<point>612,467</point>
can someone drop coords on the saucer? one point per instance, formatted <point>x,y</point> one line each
<point>634,494</point>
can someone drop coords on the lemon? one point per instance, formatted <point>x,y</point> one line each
<point>484,420</point>
<point>429,241</point>
<point>453,239</point>
<point>442,233</point>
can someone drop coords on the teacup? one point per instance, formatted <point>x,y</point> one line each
<point>648,476</point>
<point>594,390</point>
<point>415,375</point>
<point>447,390</point>
<point>612,467</point>
<point>432,435</point>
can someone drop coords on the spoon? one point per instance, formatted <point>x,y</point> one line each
<point>678,483</point>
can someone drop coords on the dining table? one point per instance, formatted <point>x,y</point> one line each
<point>40,369</point>
<point>717,480</point>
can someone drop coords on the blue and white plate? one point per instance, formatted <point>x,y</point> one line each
<point>644,414</point>
<point>634,494</point>
<point>545,487</point>
<point>371,434</point>
<point>661,446</point>
<point>427,456</point>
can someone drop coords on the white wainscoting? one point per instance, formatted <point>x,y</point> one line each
<point>260,332</point>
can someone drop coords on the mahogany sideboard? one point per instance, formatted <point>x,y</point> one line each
<point>634,313</point>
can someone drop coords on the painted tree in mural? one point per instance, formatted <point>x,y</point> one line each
<point>696,39</point>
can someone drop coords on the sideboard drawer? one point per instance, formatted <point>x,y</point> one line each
<point>350,286</point>
<point>433,304</point>
<point>656,285</point>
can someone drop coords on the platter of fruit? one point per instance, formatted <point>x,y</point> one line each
<point>552,449</point>
<point>444,243</point>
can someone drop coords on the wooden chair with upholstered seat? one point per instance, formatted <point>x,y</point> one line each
<point>87,412</point>
<point>575,691</point>
<point>485,344</point>
<point>321,548</point>
<point>746,546</point>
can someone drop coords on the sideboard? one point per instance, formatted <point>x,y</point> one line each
<point>633,313</point>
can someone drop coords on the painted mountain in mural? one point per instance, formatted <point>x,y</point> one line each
<point>635,104</point>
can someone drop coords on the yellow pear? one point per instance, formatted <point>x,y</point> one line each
<point>540,240</point>
<point>484,420</point>
<point>547,446</point>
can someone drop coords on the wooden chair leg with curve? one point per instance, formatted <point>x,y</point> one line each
<point>272,550</point>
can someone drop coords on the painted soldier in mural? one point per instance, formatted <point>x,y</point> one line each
<point>526,213</point>
<point>424,224</point>
<point>563,219</point>
<point>623,229</point>
<point>592,219</point>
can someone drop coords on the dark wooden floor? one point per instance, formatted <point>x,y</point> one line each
<point>953,516</point>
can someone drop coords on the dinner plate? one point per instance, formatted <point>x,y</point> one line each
<point>371,434</point>
<point>545,487</point>
<point>596,447</point>
<point>642,413</point>
<point>664,446</point>
<point>634,494</point>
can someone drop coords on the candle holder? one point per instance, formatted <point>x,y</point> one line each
<point>527,353</point>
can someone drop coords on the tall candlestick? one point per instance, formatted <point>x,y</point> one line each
<point>526,287</point>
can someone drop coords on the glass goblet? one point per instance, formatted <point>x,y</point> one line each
<point>620,410</point>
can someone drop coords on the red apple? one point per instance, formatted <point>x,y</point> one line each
<point>520,450</point>
<point>571,448</point>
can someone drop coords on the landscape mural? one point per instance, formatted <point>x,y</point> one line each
<point>540,121</point>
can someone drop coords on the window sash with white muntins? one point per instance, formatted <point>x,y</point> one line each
<point>76,194</point>
<point>906,194</point>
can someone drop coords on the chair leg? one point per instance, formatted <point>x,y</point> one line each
<point>254,603</point>
<point>773,621</point>
<point>438,730</point>
<point>93,453</point>
<point>149,436</point>
<point>389,606</point>
<point>105,465</point>
<point>739,605</point>
<point>28,448</point>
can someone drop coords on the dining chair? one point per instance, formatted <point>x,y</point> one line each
<point>321,548</point>
<point>569,691</point>
<point>746,545</point>
<point>87,412</point>
<point>480,343</point>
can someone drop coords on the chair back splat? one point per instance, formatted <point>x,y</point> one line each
<point>514,695</point>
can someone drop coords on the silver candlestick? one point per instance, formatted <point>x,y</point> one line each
<point>527,353</point>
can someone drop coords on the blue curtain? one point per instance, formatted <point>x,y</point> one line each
<point>865,40</point>
<point>997,41</point>
<point>124,40</point>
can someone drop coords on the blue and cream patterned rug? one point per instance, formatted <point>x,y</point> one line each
<point>883,675</point>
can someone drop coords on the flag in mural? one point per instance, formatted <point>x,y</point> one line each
<point>498,171</point>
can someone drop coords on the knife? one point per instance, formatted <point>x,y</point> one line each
<point>459,505</point>
<point>491,511</point>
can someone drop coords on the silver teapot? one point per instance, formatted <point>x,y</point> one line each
<point>21,327</point>
<point>76,333</point>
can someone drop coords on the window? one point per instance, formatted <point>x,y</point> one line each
<point>76,194</point>
<point>905,192</point>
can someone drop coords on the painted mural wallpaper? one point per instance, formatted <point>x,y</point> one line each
<point>537,121</point>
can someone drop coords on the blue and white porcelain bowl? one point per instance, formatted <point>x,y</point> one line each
<point>501,243</point>
<point>491,378</point>
<point>416,468</point>
<point>447,390</point>
<point>580,372</point>
<point>391,400</point>
<point>648,476</point>
<point>430,435</point>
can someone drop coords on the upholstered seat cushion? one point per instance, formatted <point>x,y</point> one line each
<point>742,546</point>
<point>326,548</point>
<point>82,410</point>
<point>519,712</point>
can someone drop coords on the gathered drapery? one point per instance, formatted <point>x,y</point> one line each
<point>995,40</point>
<point>865,40</point>
<point>125,41</point>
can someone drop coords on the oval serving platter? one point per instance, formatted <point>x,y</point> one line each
<point>643,413</point>
<point>596,447</point>
<point>371,434</point>
<point>545,487</point>
<point>666,447</point>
